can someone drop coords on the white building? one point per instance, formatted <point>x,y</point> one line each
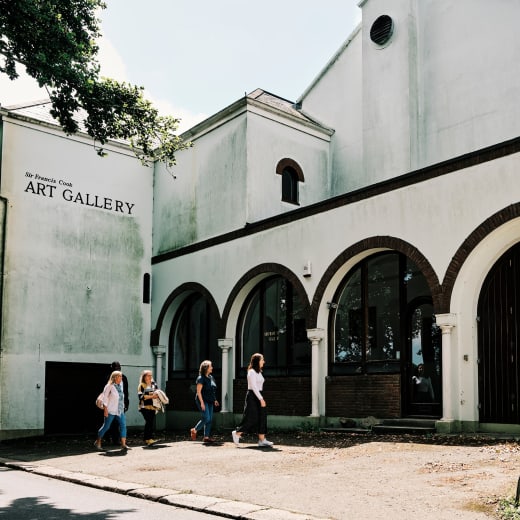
<point>369,227</point>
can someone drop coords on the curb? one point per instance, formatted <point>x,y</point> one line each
<point>201,503</point>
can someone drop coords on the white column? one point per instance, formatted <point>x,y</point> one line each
<point>159,352</point>
<point>225,344</point>
<point>446,322</point>
<point>315,336</point>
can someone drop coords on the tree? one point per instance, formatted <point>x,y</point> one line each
<point>55,40</point>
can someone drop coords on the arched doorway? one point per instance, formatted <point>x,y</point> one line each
<point>382,328</point>
<point>498,318</point>
<point>192,338</point>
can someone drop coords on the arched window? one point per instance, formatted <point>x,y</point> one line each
<point>193,338</point>
<point>273,322</point>
<point>289,186</point>
<point>374,318</point>
<point>292,175</point>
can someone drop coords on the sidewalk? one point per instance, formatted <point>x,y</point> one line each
<point>366,477</point>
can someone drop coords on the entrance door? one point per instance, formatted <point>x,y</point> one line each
<point>70,394</point>
<point>499,341</point>
<point>422,377</point>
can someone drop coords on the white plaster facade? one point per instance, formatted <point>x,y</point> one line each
<point>76,245</point>
<point>441,88</point>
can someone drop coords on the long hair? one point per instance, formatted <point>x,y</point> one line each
<point>204,366</point>
<point>113,376</point>
<point>255,362</point>
<point>143,374</point>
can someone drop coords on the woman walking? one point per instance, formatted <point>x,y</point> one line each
<point>255,408</point>
<point>206,400</point>
<point>146,391</point>
<point>113,409</point>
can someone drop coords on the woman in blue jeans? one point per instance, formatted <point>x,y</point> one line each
<point>113,409</point>
<point>206,400</point>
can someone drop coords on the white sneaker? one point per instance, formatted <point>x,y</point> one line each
<point>236,437</point>
<point>265,443</point>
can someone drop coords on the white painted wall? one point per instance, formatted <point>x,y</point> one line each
<point>446,84</point>
<point>228,179</point>
<point>73,272</point>
<point>208,196</point>
<point>269,140</point>
<point>335,100</point>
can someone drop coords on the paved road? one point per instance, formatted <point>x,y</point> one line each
<point>25,496</point>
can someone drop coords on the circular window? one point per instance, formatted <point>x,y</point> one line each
<point>382,29</point>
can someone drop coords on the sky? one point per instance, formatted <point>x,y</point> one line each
<point>196,57</point>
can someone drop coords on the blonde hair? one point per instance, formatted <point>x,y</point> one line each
<point>203,370</point>
<point>143,374</point>
<point>113,376</point>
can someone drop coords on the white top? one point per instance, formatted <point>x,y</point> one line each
<point>255,382</point>
<point>111,399</point>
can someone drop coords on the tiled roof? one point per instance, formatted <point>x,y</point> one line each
<point>284,105</point>
<point>40,111</point>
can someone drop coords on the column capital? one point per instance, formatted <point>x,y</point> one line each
<point>225,344</point>
<point>446,322</point>
<point>159,350</point>
<point>315,334</point>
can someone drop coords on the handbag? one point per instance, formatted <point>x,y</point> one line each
<point>99,401</point>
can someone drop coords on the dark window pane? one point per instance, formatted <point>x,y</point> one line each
<point>383,307</point>
<point>369,315</point>
<point>274,323</point>
<point>290,186</point>
<point>415,282</point>
<point>193,336</point>
<point>349,333</point>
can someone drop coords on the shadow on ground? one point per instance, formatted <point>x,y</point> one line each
<point>52,446</point>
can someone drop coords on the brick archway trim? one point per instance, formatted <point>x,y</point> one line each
<point>285,163</point>
<point>487,227</point>
<point>270,268</point>
<point>377,242</point>
<point>189,287</point>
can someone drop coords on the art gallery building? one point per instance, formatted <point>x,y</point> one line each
<point>369,227</point>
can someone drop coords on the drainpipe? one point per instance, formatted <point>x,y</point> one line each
<point>3,219</point>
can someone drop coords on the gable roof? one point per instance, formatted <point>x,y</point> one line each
<point>261,99</point>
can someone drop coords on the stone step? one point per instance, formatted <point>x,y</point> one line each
<point>408,421</point>
<point>401,429</point>
<point>345,430</point>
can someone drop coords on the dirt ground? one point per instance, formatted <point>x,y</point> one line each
<point>326,475</point>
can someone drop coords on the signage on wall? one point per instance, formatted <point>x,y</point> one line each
<point>52,188</point>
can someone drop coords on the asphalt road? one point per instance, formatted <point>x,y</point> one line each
<point>25,496</point>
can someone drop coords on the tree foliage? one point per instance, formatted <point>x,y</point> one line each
<point>55,40</point>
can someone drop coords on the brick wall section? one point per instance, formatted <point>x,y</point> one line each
<point>377,395</point>
<point>289,396</point>
<point>346,396</point>
<point>182,398</point>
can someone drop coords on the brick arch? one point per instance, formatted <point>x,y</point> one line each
<point>188,287</point>
<point>290,163</point>
<point>377,242</point>
<point>476,236</point>
<point>267,268</point>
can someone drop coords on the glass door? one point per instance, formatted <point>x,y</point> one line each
<point>422,377</point>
